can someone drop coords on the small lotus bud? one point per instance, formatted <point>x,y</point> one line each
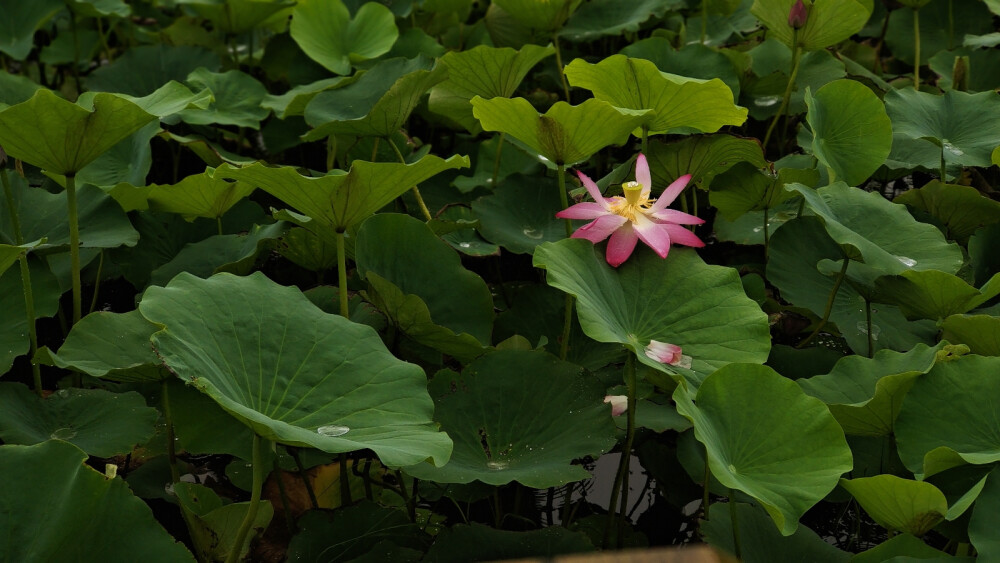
<point>798,14</point>
<point>619,404</point>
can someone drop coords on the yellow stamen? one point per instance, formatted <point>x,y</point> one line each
<point>632,203</point>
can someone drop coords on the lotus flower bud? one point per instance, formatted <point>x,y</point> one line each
<point>798,14</point>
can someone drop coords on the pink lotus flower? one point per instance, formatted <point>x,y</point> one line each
<point>667,353</point>
<point>798,15</point>
<point>619,403</point>
<point>634,217</point>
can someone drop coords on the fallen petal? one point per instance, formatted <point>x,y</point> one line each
<point>664,352</point>
<point>619,403</point>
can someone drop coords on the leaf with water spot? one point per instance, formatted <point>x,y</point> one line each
<point>509,424</point>
<point>292,369</point>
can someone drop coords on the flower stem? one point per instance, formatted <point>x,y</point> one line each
<point>620,486</point>
<point>345,481</point>
<point>416,192</point>
<point>563,198</point>
<point>568,310</point>
<point>74,245</point>
<point>735,521</point>
<point>767,235</point>
<point>944,167</point>
<point>559,65</point>
<point>29,299</point>
<point>645,140</point>
<point>496,161</point>
<point>705,499</point>
<point>169,421</point>
<point>829,304</point>
<point>258,484</point>
<point>796,57</point>
<point>916,49</point>
<point>342,276</point>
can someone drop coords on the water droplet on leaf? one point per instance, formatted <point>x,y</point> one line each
<point>63,434</point>
<point>332,430</point>
<point>532,232</point>
<point>908,262</point>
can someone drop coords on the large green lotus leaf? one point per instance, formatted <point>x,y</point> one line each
<point>412,316</point>
<point>932,294</point>
<point>897,504</point>
<point>865,394</point>
<point>98,422</point>
<point>398,248</point>
<point>852,134</point>
<point>236,99</point>
<point>128,161</point>
<point>959,127</point>
<point>951,412</point>
<point>787,458</point>
<point>143,70</point>
<point>885,235</point>
<point>215,525</point>
<point>66,137</point>
<point>342,200</point>
<point>235,254</point>
<point>326,32</point>
<point>902,548</point>
<point>43,215</point>
<point>969,18</point>
<point>829,21</point>
<point>513,160</point>
<point>235,17</point>
<point>519,416</point>
<point>378,103</point>
<point>565,134</point>
<point>100,8</point>
<point>15,89</point>
<point>88,517</point>
<point>795,252</point>
<point>961,210</point>
<point>702,156</point>
<point>14,330</point>
<point>520,214</point>
<point>744,188</point>
<point>125,357</point>
<point>981,333</point>
<point>483,71</point>
<point>164,102</point>
<point>694,60</point>
<point>676,102</point>
<point>760,541</point>
<point>540,16</point>
<point>610,17</point>
<point>20,21</point>
<point>295,100</point>
<point>198,195</point>
<point>983,525</point>
<point>679,299</point>
<point>293,373</point>
<point>349,533</point>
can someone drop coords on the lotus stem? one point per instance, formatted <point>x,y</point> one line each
<point>916,49</point>
<point>169,421</point>
<point>868,325</point>
<point>283,493</point>
<point>29,299</point>
<point>559,65</point>
<point>568,309</point>
<point>645,140</point>
<point>74,245</point>
<point>767,235</point>
<point>829,303</point>
<point>342,276</point>
<point>951,25</point>
<point>416,192</point>
<point>944,167</point>
<point>796,58</point>
<point>294,452</point>
<point>563,198</point>
<point>620,487</point>
<point>736,523</point>
<point>704,21</point>
<point>97,282</point>
<point>258,484</point>
<point>345,482</point>
<point>705,492</point>
<point>496,161</point>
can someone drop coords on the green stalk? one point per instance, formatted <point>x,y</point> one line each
<point>829,303</point>
<point>342,276</point>
<point>568,309</point>
<point>916,49</point>
<point>283,493</point>
<point>74,245</point>
<point>294,452</point>
<point>704,20</point>
<point>796,57</point>
<point>496,161</point>
<point>416,192</point>
<point>944,167</point>
<point>97,281</point>
<point>169,421</point>
<point>951,26</point>
<point>331,152</point>
<point>705,492</point>
<point>767,235</point>
<point>620,487</point>
<point>258,484</point>
<point>645,140</point>
<point>29,298</point>
<point>735,521</point>
<point>559,65</point>
<point>345,482</point>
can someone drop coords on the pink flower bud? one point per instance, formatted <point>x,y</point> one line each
<point>798,14</point>
<point>619,403</point>
<point>667,353</point>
